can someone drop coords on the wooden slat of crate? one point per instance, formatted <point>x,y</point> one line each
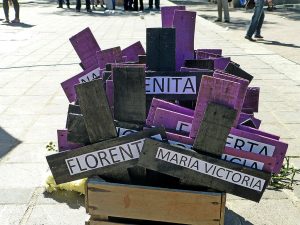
<point>155,204</point>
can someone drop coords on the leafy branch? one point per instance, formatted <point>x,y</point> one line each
<point>51,147</point>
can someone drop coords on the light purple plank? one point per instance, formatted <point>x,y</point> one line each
<point>86,47</point>
<point>171,120</point>
<point>111,55</point>
<point>184,22</point>
<point>246,141</point>
<point>158,103</point>
<point>242,92</point>
<point>256,131</point>
<point>110,93</point>
<point>244,117</point>
<point>188,69</point>
<point>221,63</point>
<point>213,90</point>
<point>252,99</point>
<point>63,143</point>
<point>265,163</point>
<point>167,15</point>
<point>212,51</point>
<point>85,76</point>
<point>133,51</point>
<point>180,138</point>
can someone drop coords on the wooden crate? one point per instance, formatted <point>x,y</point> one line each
<point>108,201</point>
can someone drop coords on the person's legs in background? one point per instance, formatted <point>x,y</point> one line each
<point>141,5</point>
<point>6,10</point>
<point>226,11</point>
<point>219,3</point>
<point>150,4</point>
<point>157,4</point>
<point>17,11</point>
<point>78,5</point>
<point>60,4</point>
<point>88,5</point>
<point>258,11</point>
<point>259,25</point>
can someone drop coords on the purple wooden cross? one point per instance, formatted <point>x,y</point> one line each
<point>133,51</point>
<point>111,55</point>
<point>221,63</point>
<point>63,143</point>
<point>167,14</point>
<point>259,132</point>
<point>252,99</point>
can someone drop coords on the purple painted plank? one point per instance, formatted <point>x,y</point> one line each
<point>184,22</point>
<point>213,90</point>
<point>189,69</point>
<point>167,15</point>
<point>221,63</point>
<point>205,55</point>
<point>244,117</point>
<point>261,162</point>
<point>133,51</point>
<point>213,51</point>
<point>111,55</point>
<point>246,141</point>
<point>86,47</point>
<point>242,92</point>
<point>158,103</point>
<point>109,88</point>
<point>259,132</point>
<point>180,138</point>
<point>85,76</point>
<point>63,143</point>
<point>172,120</point>
<point>252,99</point>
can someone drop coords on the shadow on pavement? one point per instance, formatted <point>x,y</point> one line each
<point>269,42</point>
<point>22,25</point>
<point>73,199</point>
<point>7,142</point>
<point>232,218</point>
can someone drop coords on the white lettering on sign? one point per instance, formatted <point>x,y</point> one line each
<point>124,131</point>
<point>249,145</point>
<point>200,166</point>
<point>183,126</point>
<point>95,74</point>
<point>105,157</point>
<point>179,144</point>
<point>242,161</point>
<point>171,85</point>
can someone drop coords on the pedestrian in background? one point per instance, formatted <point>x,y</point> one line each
<point>87,3</point>
<point>256,21</point>
<point>6,4</point>
<point>157,4</point>
<point>223,4</point>
<point>61,2</point>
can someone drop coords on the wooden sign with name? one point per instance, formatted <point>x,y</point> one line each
<point>129,94</point>
<point>173,85</point>
<point>132,52</point>
<point>160,48</point>
<point>200,170</point>
<point>214,129</point>
<point>109,158</point>
<point>237,71</point>
<point>95,110</point>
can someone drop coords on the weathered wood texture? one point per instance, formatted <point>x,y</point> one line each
<point>167,15</point>
<point>200,63</point>
<point>199,170</point>
<point>259,132</point>
<point>111,55</point>
<point>109,90</point>
<point>184,22</point>
<point>205,55</point>
<point>160,47</point>
<point>132,52</point>
<point>95,110</point>
<point>215,90</point>
<point>237,71</point>
<point>158,103</point>
<point>154,204</point>
<point>215,51</point>
<point>173,85</point>
<point>85,76</point>
<point>142,59</point>
<point>75,109</point>
<point>214,129</point>
<point>105,158</point>
<point>86,47</point>
<point>252,99</point>
<point>63,143</point>
<point>77,132</point>
<point>129,94</point>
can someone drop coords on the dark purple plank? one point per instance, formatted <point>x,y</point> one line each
<point>63,143</point>
<point>259,132</point>
<point>167,14</point>
<point>242,92</point>
<point>184,22</point>
<point>221,63</point>
<point>172,120</point>
<point>158,103</point>
<point>133,51</point>
<point>111,55</point>
<point>250,142</point>
<point>244,117</point>
<point>213,51</point>
<point>205,55</point>
<point>213,90</point>
<point>86,47</point>
<point>188,69</point>
<point>252,99</point>
<point>85,76</point>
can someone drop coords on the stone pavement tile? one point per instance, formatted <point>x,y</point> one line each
<point>41,135</point>
<point>24,109</point>
<point>13,91</point>
<point>278,129</point>
<point>11,135</point>
<point>278,106</point>
<point>25,153</point>
<point>294,128</point>
<point>22,175</point>
<point>13,121</point>
<point>293,146</point>
<point>42,91</point>
<point>12,214</point>
<point>15,195</point>
<point>266,117</point>
<point>288,117</point>
<point>57,214</point>
<point>7,100</point>
<point>71,198</point>
<point>267,212</point>
<point>268,194</point>
<point>50,121</point>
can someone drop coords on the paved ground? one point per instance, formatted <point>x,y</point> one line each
<point>37,56</point>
